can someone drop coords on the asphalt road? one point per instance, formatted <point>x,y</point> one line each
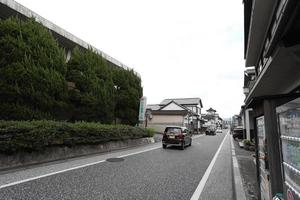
<point>147,173</point>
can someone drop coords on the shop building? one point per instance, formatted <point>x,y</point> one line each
<point>272,58</point>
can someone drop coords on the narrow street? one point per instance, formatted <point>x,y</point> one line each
<point>148,172</point>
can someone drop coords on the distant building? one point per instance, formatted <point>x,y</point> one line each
<point>212,117</point>
<point>178,111</point>
<point>211,111</point>
<point>236,121</point>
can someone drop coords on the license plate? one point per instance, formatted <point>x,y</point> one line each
<point>171,136</point>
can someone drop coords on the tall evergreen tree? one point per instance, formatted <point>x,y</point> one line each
<point>32,71</point>
<point>93,98</point>
<point>34,75</point>
<point>128,95</point>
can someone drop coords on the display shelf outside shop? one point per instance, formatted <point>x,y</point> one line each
<point>292,176</point>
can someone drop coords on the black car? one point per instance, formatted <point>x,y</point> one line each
<point>178,136</point>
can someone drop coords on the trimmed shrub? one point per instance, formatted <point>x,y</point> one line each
<point>150,132</point>
<point>16,136</point>
<point>32,71</point>
<point>104,91</point>
<point>93,99</point>
<point>34,80</point>
<point>248,142</point>
<point>128,94</point>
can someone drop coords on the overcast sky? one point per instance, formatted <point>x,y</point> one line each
<point>181,48</point>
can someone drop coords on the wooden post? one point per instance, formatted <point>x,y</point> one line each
<point>273,147</point>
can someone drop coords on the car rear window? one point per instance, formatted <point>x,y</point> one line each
<point>173,130</point>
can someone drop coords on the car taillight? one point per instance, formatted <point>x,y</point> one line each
<point>164,135</point>
<point>181,136</point>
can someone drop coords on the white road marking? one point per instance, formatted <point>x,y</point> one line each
<point>204,179</point>
<point>130,154</point>
<point>194,137</point>
<point>49,174</point>
<point>72,168</point>
<point>78,167</point>
<point>239,189</point>
<point>197,136</point>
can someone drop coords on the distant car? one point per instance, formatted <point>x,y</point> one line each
<point>219,130</point>
<point>211,130</point>
<point>178,136</point>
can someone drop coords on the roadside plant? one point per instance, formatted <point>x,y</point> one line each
<point>37,83</point>
<point>248,142</point>
<point>18,136</point>
<point>32,72</point>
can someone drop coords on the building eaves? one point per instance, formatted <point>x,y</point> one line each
<point>153,106</point>
<point>183,101</point>
<point>169,112</point>
<point>211,110</point>
<point>183,107</point>
<point>260,21</point>
<point>10,8</point>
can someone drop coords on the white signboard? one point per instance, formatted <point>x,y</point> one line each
<point>264,180</point>
<point>142,110</point>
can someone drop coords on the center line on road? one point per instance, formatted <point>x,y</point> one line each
<point>130,154</point>
<point>204,179</point>
<point>72,168</point>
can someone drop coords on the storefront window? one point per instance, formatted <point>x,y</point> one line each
<point>289,125</point>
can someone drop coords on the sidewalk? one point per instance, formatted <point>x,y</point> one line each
<point>233,176</point>
<point>248,171</point>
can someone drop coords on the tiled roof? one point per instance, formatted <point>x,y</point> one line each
<point>153,107</point>
<point>211,110</point>
<point>183,101</point>
<point>183,107</point>
<point>208,117</point>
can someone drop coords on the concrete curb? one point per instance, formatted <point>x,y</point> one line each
<point>24,159</point>
<point>238,184</point>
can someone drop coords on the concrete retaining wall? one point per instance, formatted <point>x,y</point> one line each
<point>60,153</point>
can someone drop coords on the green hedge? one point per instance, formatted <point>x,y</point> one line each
<point>150,132</point>
<point>16,136</point>
<point>34,78</point>
<point>32,72</point>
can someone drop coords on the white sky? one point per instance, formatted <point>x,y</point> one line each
<point>181,48</point>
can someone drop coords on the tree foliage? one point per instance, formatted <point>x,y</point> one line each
<point>129,92</point>
<point>32,71</point>
<point>20,136</point>
<point>34,77</point>
<point>93,98</point>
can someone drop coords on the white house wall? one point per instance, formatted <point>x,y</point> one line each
<point>159,122</point>
<point>195,109</point>
<point>159,128</point>
<point>172,106</point>
<point>166,119</point>
<point>190,107</point>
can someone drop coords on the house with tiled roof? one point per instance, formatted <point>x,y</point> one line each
<point>178,111</point>
<point>212,117</point>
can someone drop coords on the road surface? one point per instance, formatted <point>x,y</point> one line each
<point>148,172</point>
